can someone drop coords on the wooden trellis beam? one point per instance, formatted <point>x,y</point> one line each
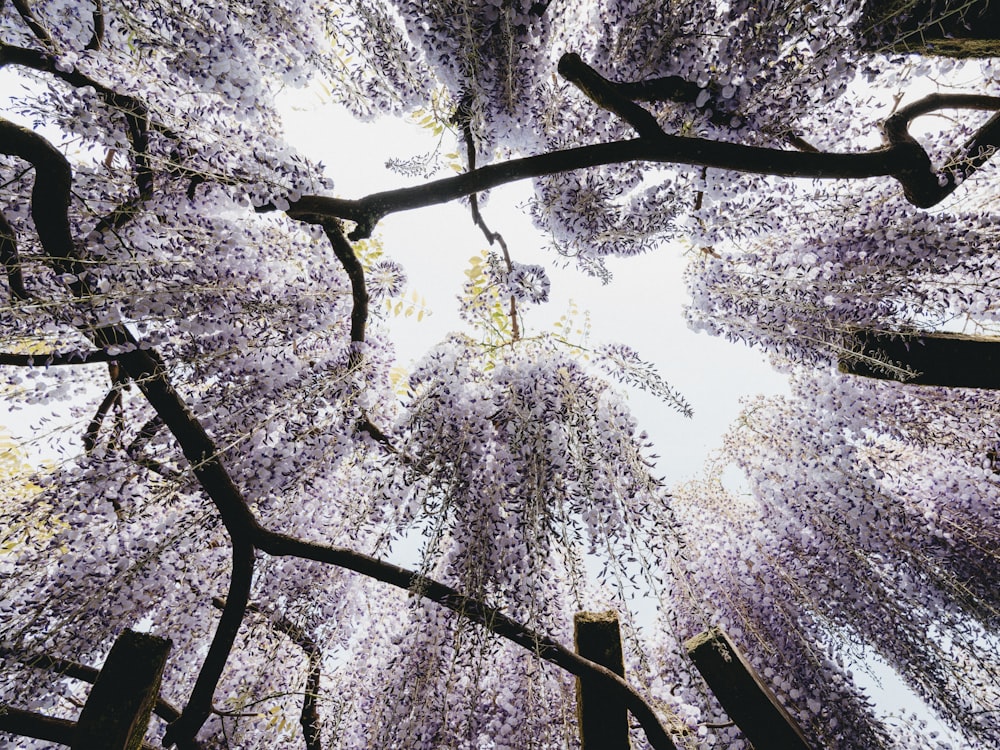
<point>945,359</point>
<point>601,713</point>
<point>744,696</point>
<point>117,710</point>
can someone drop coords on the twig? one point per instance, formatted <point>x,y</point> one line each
<point>462,118</point>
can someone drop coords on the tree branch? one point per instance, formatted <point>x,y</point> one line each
<point>462,119</point>
<point>476,611</point>
<point>11,261</point>
<point>24,10</point>
<point>309,718</point>
<point>355,272</point>
<point>37,726</point>
<point>199,705</point>
<point>902,158</point>
<point>922,185</point>
<point>607,95</point>
<point>97,39</point>
<point>114,398</point>
<point>135,449</point>
<point>368,211</point>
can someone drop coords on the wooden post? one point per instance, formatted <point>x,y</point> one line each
<point>748,701</point>
<point>946,359</point>
<point>932,27</point>
<point>601,713</point>
<point>117,710</point>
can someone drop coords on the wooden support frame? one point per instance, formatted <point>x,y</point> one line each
<point>969,28</point>
<point>117,710</point>
<point>951,360</point>
<point>602,716</point>
<point>749,702</point>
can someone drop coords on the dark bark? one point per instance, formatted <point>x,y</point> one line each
<point>355,273</point>
<point>24,10</point>
<point>902,158</point>
<point>113,399</point>
<point>368,211</point>
<point>97,18</point>
<point>199,705</point>
<point>29,724</point>
<point>11,261</point>
<point>478,612</point>
<point>309,718</point>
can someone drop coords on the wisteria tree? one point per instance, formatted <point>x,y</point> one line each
<point>246,465</point>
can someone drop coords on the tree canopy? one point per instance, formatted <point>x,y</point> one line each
<point>246,462</point>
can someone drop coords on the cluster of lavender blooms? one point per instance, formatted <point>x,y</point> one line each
<point>517,468</point>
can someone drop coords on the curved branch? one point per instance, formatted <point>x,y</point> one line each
<point>606,95</point>
<point>355,272</point>
<point>113,399</point>
<point>50,196</point>
<point>923,185</point>
<point>462,119</point>
<point>137,124</point>
<point>97,17</point>
<point>199,705</point>
<point>902,158</point>
<point>478,612</point>
<point>37,726</point>
<point>889,161</point>
<point>309,718</point>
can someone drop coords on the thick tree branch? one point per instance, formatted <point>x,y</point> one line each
<point>902,158</point>
<point>50,203</point>
<point>368,211</point>
<point>478,612</point>
<point>355,272</point>
<point>309,718</point>
<point>97,38</point>
<point>50,196</point>
<point>923,185</point>
<point>113,399</point>
<point>199,705</point>
<point>606,95</point>
<point>40,727</point>
<point>24,10</point>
